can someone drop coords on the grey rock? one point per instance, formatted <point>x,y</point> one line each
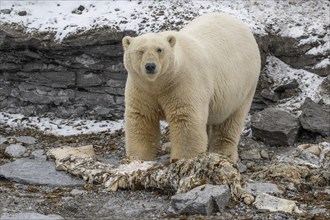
<point>76,192</point>
<point>275,127</point>
<point>242,167</point>
<point>269,95</point>
<point>100,110</point>
<point>292,52</point>
<point>56,71</point>
<point>95,99</point>
<point>37,172</point>
<point>70,111</point>
<point>205,200</point>
<point>62,79</point>
<point>287,90</point>
<point>85,71</point>
<point>5,11</point>
<point>255,188</point>
<point>291,85</point>
<point>252,154</point>
<point>81,8</point>
<point>38,155</point>
<point>89,79</point>
<point>325,88</point>
<point>43,94</point>
<point>29,216</point>
<point>250,164</point>
<point>132,206</point>
<point>15,150</point>
<point>314,118</point>
<point>22,13</point>
<point>264,154</point>
<point>2,139</point>
<point>26,139</point>
<point>274,204</point>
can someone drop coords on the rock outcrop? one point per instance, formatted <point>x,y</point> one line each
<point>275,127</point>
<point>82,75</point>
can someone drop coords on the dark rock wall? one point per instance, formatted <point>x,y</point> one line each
<point>84,75</point>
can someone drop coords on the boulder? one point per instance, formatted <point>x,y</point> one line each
<point>205,200</point>
<point>275,127</point>
<point>274,204</point>
<point>37,172</point>
<point>314,118</point>
<point>15,150</point>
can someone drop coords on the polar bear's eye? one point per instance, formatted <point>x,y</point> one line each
<point>159,50</point>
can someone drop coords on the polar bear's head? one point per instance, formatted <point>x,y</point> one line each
<point>149,55</point>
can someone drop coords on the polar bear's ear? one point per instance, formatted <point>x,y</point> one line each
<point>171,39</point>
<point>127,41</point>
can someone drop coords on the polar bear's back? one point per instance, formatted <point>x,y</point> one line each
<point>210,25</point>
<point>229,50</point>
<point>223,33</point>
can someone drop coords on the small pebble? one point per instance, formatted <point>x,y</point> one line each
<point>76,192</point>
<point>81,8</point>
<point>264,154</point>
<point>22,13</point>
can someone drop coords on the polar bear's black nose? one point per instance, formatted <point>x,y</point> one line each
<point>150,68</point>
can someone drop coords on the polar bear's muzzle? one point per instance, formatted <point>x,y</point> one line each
<point>150,68</point>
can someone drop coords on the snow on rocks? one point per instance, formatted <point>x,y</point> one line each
<point>63,127</point>
<point>29,216</point>
<point>309,84</point>
<point>65,17</point>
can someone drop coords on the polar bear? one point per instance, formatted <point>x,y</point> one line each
<point>201,80</point>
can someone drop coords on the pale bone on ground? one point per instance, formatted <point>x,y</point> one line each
<point>178,177</point>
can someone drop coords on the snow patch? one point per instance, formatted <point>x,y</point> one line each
<point>321,49</point>
<point>286,18</point>
<point>323,64</point>
<point>59,127</point>
<point>308,82</point>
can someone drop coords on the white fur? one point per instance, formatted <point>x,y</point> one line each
<point>205,81</point>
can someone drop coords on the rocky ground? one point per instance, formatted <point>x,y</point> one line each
<point>30,185</point>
